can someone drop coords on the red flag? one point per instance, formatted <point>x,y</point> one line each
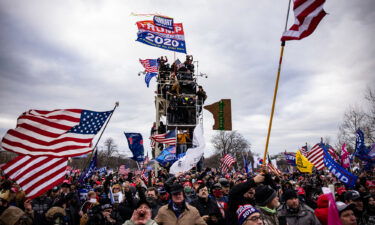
<point>308,14</point>
<point>36,175</point>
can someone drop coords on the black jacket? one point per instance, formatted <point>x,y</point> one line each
<point>209,208</point>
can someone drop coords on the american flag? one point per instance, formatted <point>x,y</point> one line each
<point>273,169</point>
<point>226,162</point>
<point>169,138</point>
<point>57,133</point>
<point>45,140</point>
<point>36,174</point>
<point>304,150</point>
<point>308,14</point>
<point>150,65</point>
<point>316,156</point>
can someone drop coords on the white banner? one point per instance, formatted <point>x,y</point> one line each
<point>193,155</point>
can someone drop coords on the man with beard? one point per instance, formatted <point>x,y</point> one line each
<point>293,212</point>
<point>178,212</point>
<point>152,199</point>
<point>267,203</point>
<point>207,207</point>
<point>141,215</point>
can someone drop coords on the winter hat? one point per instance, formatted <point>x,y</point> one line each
<point>245,211</point>
<point>264,194</point>
<point>11,215</point>
<point>289,194</point>
<point>54,211</point>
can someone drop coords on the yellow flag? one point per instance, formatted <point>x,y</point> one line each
<point>303,165</point>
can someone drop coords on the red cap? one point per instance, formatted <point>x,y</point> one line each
<point>341,190</point>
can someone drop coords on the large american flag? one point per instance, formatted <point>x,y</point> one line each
<point>36,174</point>
<point>316,156</point>
<point>44,140</point>
<point>226,162</point>
<point>57,133</point>
<point>273,169</point>
<point>150,65</point>
<point>169,138</point>
<point>308,14</point>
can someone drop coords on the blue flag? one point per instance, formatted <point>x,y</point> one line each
<point>91,169</point>
<point>290,158</point>
<point>168,156</point>
<point>135,142</point>
<point>336,169</point>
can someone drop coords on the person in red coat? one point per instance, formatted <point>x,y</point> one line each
<point>322,211</point>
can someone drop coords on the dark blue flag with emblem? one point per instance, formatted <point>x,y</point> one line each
<point>135,142</point>
<point>363,152</point>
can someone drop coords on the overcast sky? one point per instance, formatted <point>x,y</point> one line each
<point>83,54</point>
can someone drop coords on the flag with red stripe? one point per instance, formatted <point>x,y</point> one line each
<point>169,138</point>
<point>226,162</point>
<point>274,169</point>
<point>57,133</point>
<point>316,156</point>
<point>36,174</point>
<point>308,14</point>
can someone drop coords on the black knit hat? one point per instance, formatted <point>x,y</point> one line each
<point>289,194</point>
<point>264,194</point>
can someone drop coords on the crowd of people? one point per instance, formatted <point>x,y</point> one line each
<point>177,87</point>
<point>207,197</point>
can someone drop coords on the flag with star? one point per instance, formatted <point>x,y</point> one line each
<point>57,133</point>
<point>44,140</point>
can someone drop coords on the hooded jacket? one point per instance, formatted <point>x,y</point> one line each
<point>322,211</point>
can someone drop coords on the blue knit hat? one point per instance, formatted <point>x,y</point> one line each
<point>244,211</point>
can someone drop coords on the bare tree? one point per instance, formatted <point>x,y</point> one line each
<point>234,143</point>
<point>110,148</point>
<point>359,118</point>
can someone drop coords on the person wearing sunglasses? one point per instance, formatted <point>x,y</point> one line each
<point>248,215</point>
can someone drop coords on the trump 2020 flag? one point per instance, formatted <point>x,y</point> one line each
<point>167,156</point>
<point>342,174</point>
<point>308,14</point>
<point>135,142</point>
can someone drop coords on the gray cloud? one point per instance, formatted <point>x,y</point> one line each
<point>83,55</point>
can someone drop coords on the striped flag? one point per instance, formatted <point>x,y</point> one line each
<point>169,138</point>
<point>150,65</point>
<point>308,14</point>
<point>304,150</point>
<point>273,169</point>
<point>226,162</point>
<point>57,133</point>
<point>44,140</point>
<point>36,174</point>
<point>316,156</point>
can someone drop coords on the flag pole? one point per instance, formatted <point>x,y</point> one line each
<point>105,126</point>
<point>275,90</point>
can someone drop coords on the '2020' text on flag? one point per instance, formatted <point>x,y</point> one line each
<point>308,14</point>
<point>57,133</point>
